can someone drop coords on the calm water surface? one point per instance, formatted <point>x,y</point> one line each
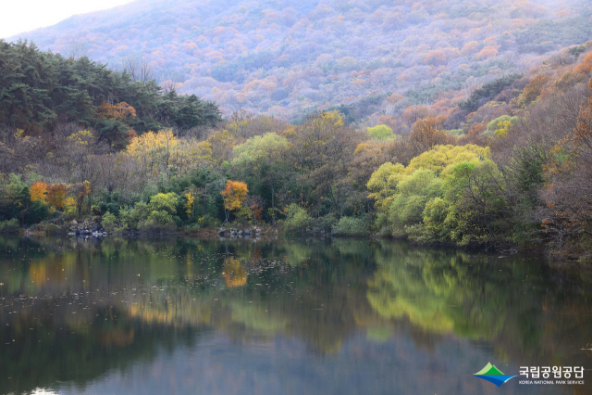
<point>289,317</point>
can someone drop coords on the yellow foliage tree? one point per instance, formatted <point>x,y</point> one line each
<point>234,194</point>
<point>69,205</point>
<point>443,158</point>
<point>502,128</point>
<point>189,204</point>
<point>38,191</point>
<point>383,183</point>
<point>81,138</point>
<point>142,145</point>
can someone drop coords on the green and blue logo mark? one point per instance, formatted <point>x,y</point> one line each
<point>493,375</point>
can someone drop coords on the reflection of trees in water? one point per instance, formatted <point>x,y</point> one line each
<point>235,275</point>
<point>448,292</point>
<point>149,294</point>
<point>61,348</point>
<point>514,303</point>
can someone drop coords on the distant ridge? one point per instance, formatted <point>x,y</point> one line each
<point>288,58</point>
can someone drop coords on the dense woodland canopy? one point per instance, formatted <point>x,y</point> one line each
<point>41,92</point>
<point>505,163</point>
<point>291,58</point>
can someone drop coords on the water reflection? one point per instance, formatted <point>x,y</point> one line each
<point>351,316</point>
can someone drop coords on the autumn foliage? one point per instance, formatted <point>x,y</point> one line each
<point>57,194</point>
<point>234,194</point>
<point>120,110</point>
<point>38,191</point>
<point>435,58</point>
<point>487,52</point>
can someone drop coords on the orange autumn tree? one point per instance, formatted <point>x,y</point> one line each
<point>56,195</point>
<point>436,58</point>
<point>487,52</point>
<point>533,90</point>
<point>234,195</point>
<point>585,66</point>
<point>117,111</point>
<point>38,191</point>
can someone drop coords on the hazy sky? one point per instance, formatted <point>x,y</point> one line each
<point>19,16</point>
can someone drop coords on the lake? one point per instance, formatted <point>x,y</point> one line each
<point>182,316</point>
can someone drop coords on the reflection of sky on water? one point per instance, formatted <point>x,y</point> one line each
<point>284,366</point>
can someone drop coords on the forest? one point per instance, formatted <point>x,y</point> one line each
<point>289,59</point>
<point>509,167</point>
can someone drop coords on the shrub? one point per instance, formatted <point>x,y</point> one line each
<point>108,221</point>
<point>164,202</point>
<point>159,221</point>
<point>36,213</point>
<point>297,218</point>
<point>348,226</point>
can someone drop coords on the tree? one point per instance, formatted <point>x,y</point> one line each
<point>189,204</point>
<point>426,134</point>
<point>439,196</point>
<point>320,149</point>
<point>39,191</point>
<point>80,191</point>
<point>117,111</point>
<point>487,52</point>
<point>40,90</point>
<point>253,156</point>
<point>57,194</point>
<point>568,215</point>
<point>234,195</point>
<point>138,69</point>
<point>414,113</point>
<point>469,48</point>
<point>533,90</point>
<point>381,133</point>
<point>264,159</point>
<point>499,126</point>
<point>435,58</point>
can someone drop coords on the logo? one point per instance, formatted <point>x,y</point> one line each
<point>493,375</point>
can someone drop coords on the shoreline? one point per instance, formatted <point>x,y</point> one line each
<point>276,232</point>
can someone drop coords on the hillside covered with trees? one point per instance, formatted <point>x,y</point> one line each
<point>291,58</point>
<point>458,124</point>
<point>514,173</point>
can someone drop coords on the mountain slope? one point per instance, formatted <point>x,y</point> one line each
<point>288,58</point>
